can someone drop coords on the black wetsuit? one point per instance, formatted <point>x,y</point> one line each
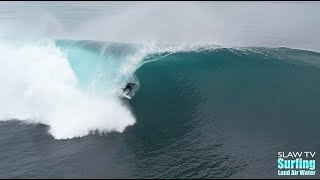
<point>128,86</point>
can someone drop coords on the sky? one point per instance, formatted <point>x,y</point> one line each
<point>268,24</point>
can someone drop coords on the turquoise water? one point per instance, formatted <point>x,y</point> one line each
<point>97,65</point>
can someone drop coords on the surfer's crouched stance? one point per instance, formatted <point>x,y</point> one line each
<point>128,86</point>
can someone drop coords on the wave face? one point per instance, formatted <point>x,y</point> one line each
<point>224,112</point>
<point>73,86</point>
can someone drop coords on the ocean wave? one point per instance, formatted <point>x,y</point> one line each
<point>73,86</point>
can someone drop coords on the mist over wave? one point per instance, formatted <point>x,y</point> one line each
<point>267,24</point>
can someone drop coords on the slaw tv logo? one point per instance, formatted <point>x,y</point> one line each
<point>296,163</point>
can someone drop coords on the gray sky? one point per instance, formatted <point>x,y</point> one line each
<point>291,24</point>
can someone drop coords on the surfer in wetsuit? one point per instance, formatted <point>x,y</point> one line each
<point>128,86</point>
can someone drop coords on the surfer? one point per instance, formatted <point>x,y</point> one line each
<point>128,86</point>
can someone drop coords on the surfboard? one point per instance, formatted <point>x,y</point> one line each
<point>127,96</point>
<point>124,94</point>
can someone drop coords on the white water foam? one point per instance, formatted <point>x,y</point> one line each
<point>39,86</point>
